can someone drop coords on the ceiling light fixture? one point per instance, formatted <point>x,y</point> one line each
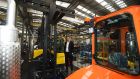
<point>99,1</point>
<point>62,4</point>
<point>84,10</point>
<point>120,3</point>
<point>79,7</point>
<point>106,5</point>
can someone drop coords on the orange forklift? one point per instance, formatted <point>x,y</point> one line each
<point>115,47</point>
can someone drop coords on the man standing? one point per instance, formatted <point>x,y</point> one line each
<point>69,47</point>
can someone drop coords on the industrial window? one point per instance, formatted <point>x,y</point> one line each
<point>116,44</point>
<point>3,11</point>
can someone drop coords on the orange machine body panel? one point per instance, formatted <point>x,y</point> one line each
<point>96,71</point>
<point>123,43</point>
<point>99,72</point>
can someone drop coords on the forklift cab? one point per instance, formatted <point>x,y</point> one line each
<point>115,47</point>
<point>116,44</point>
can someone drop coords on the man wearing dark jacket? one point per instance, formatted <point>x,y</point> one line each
<point>69,47</point>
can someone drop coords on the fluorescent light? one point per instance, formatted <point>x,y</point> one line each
<point>58,2</point>
<point>123,4</point>
<point>99,1</point>
<point>83,15</point>
<point>106,5</point>
<point>65,24</point>
<point>93,14</point>
<point>120,3</point>
<point>88,11</point>
<point>39,15</point>
<point>96,15</point>
<point>76,11</point>
<point>35,11</point>
<point>79,7</point>
<point>62,4</point>
<point>65,5</point>
<point>84,10</point>
<point>112,10</point>
<point>62,23</point>
<point>79,13</point>
<point>73,20</point>
<point>37,20</point>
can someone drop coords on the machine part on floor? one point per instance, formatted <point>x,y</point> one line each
<point>9,46</point>
<point>60,58</point>
<point>114,57</point>
<point>37,53</point>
